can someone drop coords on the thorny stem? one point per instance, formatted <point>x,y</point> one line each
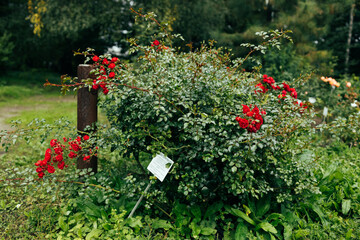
<point>117,84</point>
<point>154,20</point>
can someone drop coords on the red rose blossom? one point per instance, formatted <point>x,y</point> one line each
<point>156,43</point>
<point>95,58</point>
<point>111,74</point>
<point>86,137</point>
<point>243,123</point>
<point>105,61</point>
<point>246,109</point>
<point>53,142</point>
<point>61,165</point>
<point>50,169</point>
<point>111,65</point>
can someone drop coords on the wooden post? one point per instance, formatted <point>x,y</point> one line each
<point>86,113</point>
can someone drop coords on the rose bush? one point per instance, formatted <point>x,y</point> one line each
<point>232,133</point>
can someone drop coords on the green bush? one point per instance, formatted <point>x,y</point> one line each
<point>186,105</point>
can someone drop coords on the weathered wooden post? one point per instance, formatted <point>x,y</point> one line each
<point>86,113</point>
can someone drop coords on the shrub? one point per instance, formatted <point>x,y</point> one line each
<point>232,133</point>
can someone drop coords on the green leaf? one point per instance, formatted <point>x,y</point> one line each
<point>274,216</point>
<point>196,211</point>
<point>90,208</point>
<point>348,234</point>
<point>241,214</point>
<point>241,231</point>
<point>213,209</point>
<point>301,233</point>
<point>107,226</point>
<point>195,229</point>
<point>267,227</point>
<point>345,206</point>
<point>262,206</point>
<point>63,225</point>
<point>134,222</point>
<point>319,212</point>
<point>272,237</point>
<point>208,231</point>
<point>287,231</point>
<point>163,224</point>
<point>95,233</point>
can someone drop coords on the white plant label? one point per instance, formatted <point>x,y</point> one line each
<point>160,166</point>
<point>325,112</point>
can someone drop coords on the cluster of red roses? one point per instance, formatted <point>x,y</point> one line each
<point>100,80</point>
<point>253,119</point>
<point>269,82</point>
<point>286,90</point>
<point>55,155</point>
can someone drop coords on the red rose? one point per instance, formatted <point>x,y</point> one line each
<point>293,93</point>
<point>47,156</point>
<point>250,114</point>
<point>105,61</point>
<point>53,142</point>
<point>72,155</point>
<point>111,65</point>
<point>41,175</point>
<point>156,42</point>
<point>105,90</point>
<point>50,169</point>
<point>39,170</point>
<point>59,158</point>
<point>246,109</point>
<point>114,59</point>
<point>95,58</point>
<point>286,87</point>
<point>111,74</point>
<point>252,128</point>
<point>75,147</point>
<point>58,150</point>
<point>243,123</point>
<point>61,165</point>
<point>86,137</point>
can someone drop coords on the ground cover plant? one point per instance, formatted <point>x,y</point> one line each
<point>244,166</point>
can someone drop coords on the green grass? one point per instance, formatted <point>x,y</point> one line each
<point>17,86</point>
<point>48,108</point>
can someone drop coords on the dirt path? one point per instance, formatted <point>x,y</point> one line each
<point>9,112</point>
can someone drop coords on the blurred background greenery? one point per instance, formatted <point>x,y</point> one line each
<point>44,33</point>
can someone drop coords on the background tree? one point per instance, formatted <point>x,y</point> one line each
<point>320,30</point>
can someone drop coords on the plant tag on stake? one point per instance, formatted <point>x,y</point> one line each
<point>160,166</point>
